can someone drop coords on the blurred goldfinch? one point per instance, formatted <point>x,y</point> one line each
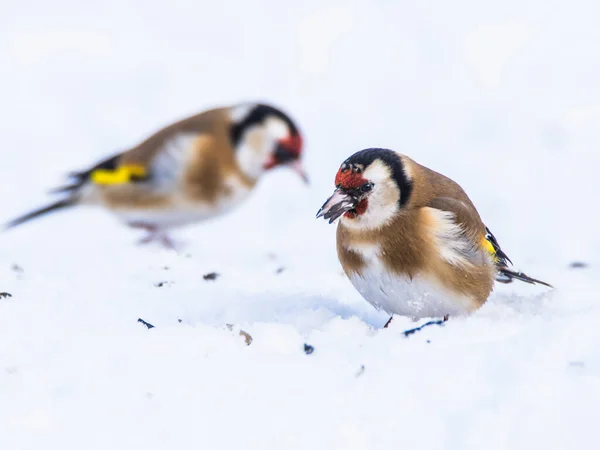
<point>192,170</point>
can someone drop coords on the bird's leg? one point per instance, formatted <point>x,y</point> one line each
<point>152,233</point>
<point>166,240</point>
<point>160,236</point>
<point>431,322</point>
<point>387,324</point>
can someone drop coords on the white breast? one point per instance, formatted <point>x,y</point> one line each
<point>183,211</point>
<point>421,296</point>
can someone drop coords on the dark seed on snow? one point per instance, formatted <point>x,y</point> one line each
<point>211,276</point>
<point>308,349</point>
<point>149,325</point>
<point>578,265</point>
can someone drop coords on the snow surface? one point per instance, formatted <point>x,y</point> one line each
<point>501,96</point>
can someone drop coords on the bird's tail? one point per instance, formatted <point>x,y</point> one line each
<point>506,275</point>
<point>61,204</point>
<point>501,261</point>
<point>74,191</point>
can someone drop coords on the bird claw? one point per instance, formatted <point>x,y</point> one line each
<point>431,322</point>
<point>5,294</point>
<point>156,234</point>
<point>161,238</point>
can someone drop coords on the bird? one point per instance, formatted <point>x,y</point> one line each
<point>410,240</point>
<point>192,170</point>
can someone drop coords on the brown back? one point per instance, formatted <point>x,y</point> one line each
<point>214,121</point>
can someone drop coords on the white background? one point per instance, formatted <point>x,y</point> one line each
<point>503,97</point>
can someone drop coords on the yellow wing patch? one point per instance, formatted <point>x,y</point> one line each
<point>121,175</point>
<point>488,247</point>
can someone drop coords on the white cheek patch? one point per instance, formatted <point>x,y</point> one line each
<point>258,142</point>
<point>407,166</point>
<point>382,201</point>
<point>276,128</point>
<point>377,172</point>
<point>253,151</point>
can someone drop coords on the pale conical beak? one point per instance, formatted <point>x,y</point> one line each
<point>336,205</point>
<point>296,166</point>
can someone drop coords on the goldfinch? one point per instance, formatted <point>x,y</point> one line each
<point>410,240</point>
<point>192,170</point>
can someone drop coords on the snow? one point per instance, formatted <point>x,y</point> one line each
<point>503,97</point>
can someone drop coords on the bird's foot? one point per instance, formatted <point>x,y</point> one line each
<point>5,294</point>
<point>167,242</point>
<point>156,234</point>
<point>162,238</point>
<point>431,322</point>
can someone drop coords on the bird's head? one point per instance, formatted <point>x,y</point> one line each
<point>372,186</point>
<point>264,137</point>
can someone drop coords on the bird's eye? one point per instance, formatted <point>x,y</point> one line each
<point>366,187</point>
